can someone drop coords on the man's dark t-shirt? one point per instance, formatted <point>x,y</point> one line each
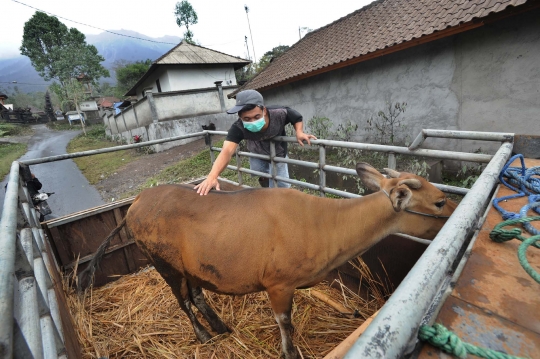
<point>235,134</point>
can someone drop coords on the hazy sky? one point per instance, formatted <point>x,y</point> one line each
<point>222,23</point>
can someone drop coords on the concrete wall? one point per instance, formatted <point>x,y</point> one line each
<point>176,113</point>
<point>191,103</point>
<point>487,79</point>
<point>168,106</point>
<point>179,127</point>
<point>182,78</point>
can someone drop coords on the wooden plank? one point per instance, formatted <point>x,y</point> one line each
<point>125,239</point>
<point>71,341</point>
<point>88,212</point>
<point>61,246</point>
<point>89,257</point>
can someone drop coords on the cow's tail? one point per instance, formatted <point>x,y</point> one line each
<point>86,277</point>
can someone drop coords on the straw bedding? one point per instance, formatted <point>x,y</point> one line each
<point>139,317</point>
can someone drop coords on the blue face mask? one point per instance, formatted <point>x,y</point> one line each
<point>254,126</point>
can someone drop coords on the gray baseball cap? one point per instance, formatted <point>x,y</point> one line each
<point>247,97</point>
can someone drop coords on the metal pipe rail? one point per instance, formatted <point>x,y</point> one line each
<point>110,149</point>
<point>393,332</point>
<point>445,188</point>
<point>31,325</point>
<point>445,155</point>
<point>462,135</point>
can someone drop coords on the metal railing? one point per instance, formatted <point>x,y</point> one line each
<point>31,327</point>
<point>390,150</point>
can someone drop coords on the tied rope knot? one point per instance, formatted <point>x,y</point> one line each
<point>500,235</point>
<point>439,336</point>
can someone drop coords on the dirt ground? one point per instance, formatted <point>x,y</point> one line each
<point>132,175</point>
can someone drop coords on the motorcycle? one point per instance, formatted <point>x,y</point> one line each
<point>40,204</point>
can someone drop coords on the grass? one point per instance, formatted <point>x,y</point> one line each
<point>64,126</point>
<point>195,167</point>
<point>13,129</point>
<point>98,167</point>
<point>9,152</point>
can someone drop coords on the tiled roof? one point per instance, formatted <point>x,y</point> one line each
<point>188,54</point>
<point>107,101</point>
<point>383,26</point>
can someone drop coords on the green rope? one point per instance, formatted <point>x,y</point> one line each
<point>440,337</point>
<point>500,235</point>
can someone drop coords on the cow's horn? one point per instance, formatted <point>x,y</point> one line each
<point>391,173</point>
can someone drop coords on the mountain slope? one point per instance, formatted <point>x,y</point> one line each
<point>112,47</point>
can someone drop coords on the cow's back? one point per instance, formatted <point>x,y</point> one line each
<point>219,235</point>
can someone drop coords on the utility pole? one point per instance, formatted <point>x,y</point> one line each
<point>247,47</point>
<point>250,67</point>
<point>249,25</point>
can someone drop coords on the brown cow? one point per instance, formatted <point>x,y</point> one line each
<point>275,240</point>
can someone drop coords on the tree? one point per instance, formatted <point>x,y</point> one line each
<point>185,16</point>
<point>73,94</point>
<point>57,52</point>
<point>127,75</point>
<point>248,72</point>
<point>105,89</point>
<point>269,56</point>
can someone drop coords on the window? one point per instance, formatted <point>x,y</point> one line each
<point>158,86</point>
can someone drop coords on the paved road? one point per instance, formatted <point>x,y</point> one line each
<point>72,191</point>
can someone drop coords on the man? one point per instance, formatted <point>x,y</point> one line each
<point>257,124</point>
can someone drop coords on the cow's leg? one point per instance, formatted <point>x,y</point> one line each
<point>197,297</point>
<point>281,301</point>
<point>180,289</point>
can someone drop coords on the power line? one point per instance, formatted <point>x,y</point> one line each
<point>95,27</point>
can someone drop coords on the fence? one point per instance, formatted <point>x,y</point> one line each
<point>31,325</point>
<point>35,327</point>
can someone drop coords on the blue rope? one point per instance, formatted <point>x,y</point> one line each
<point>522,181</point>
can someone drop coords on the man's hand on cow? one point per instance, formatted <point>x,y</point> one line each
<point>301,136</point>
<point>205,186</point>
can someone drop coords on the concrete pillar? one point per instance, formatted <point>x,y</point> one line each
<point>125,126</point>
<point>153,109</point>
<point>221,98</point>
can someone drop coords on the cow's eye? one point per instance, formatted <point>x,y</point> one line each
<point>441,204</point>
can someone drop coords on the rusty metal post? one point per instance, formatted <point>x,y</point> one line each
<point>273,166</point>
<point>239,165</point>
<point>212,157</point>
<point>392,160</point>
<point>322,172</point>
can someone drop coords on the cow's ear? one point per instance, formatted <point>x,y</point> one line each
<point>370,176</point>
<point>400,197</point>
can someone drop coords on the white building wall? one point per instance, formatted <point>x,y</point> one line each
<point>193,77</point>
<point>180,78</point>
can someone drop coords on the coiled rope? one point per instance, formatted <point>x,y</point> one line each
<point>500,235</point>
<point>522,181</point>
